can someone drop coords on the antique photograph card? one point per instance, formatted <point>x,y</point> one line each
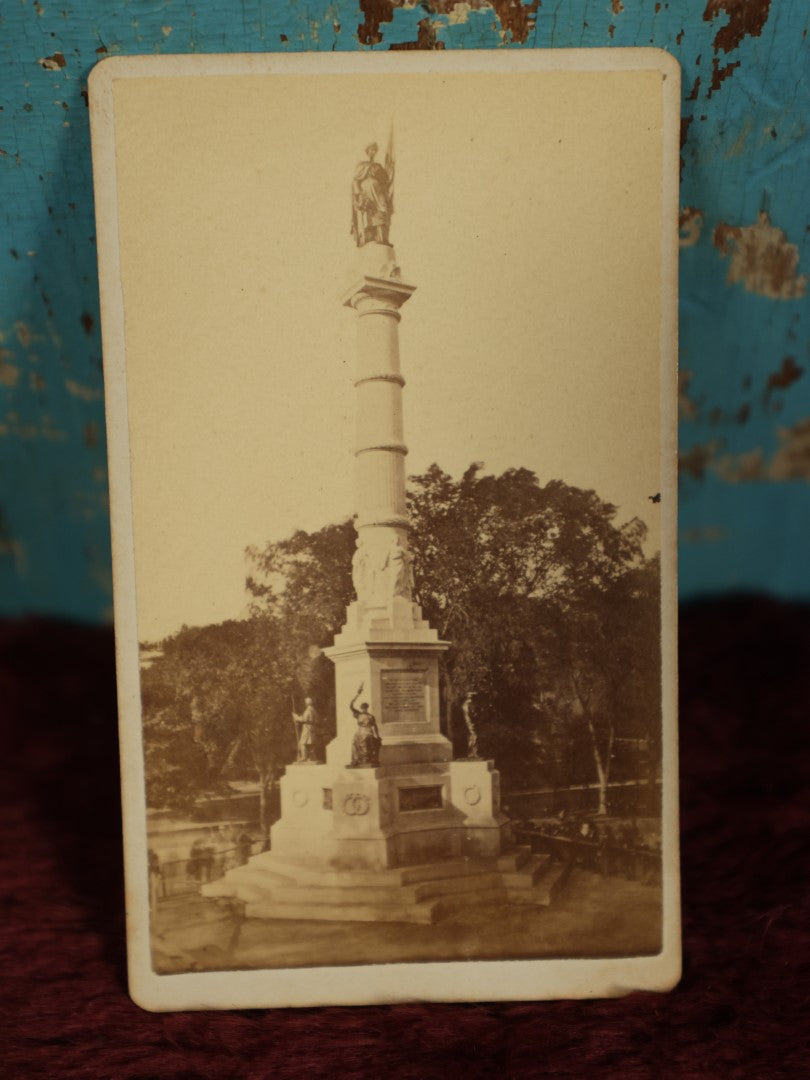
<point>390,371</point>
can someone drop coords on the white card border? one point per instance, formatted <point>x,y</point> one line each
<point>447,981</point>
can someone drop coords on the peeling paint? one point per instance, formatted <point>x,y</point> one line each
<point>687,407</point>
<point>9,374</point>
<point>459,13</point>
<point>52,63</point>
<point>686,122</point>
<point>426,37</point>
<point>11,425</point>
<point>9,547</point>
<point>737,148</point>
<point>785,377</point>
<point>90,433</point>
<point>791,461</point>
<point>697,460</point>
<point>24,335</point>
<point>705,534</point>
<point>86,393</point>
<point>720,74</point>
<point>746,18</point>
<point>517,19</point>
<point>761,258</point>
<point>690,224</point>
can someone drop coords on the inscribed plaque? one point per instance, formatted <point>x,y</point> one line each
<point>403,697</point>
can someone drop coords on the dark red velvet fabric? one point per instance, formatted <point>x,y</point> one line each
<point>741,1009</point>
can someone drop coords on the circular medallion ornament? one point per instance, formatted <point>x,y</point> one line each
<point>472,795</point>
<point>300,798</point>
<point>355,805</point>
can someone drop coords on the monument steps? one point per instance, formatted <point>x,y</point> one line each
<point>515,858</point>
<point>528,874</point>
<point>287,871</point>
<point>413,894</point>
<point>422,913</point>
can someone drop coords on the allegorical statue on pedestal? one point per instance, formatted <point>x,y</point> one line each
<point>366,742</point>
<point>373,197</point>
<point>399,563</point>
<point>382,571</point>
<point>472,734</point>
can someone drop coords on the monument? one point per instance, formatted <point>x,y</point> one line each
<point>389,827</point>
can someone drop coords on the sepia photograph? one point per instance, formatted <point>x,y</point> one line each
<point>389,350</point>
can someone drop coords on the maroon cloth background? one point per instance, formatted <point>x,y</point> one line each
<point>741,1009</point>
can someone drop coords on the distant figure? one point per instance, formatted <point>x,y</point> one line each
<point>194,866</point>
<point>366,742</point>
<point>373,198</point>
<point>306,728</point>
<point>207,857</point>
<point>244,846</point>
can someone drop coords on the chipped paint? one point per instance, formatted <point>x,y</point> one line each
<point>516,20</point>
<point>9,374</point>
<point>690,224</point>
<point>52,63</point>
<point>697,459</point>
<point>86,393</point>
<point>13,426</point>
<point>459,13</point>
<point>426,37</point>
<point>746,18</point>
<point>762,259</point>
<point>791,460</point>
<point>706,534</point>
<point>720,74</point>
<point>785,377</point>
<point>687,407</point>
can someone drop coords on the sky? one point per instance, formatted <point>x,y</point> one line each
<point>528,216</point>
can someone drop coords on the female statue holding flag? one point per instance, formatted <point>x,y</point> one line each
<point>373,197</point>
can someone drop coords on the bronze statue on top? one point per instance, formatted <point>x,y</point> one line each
<point>373,197</point>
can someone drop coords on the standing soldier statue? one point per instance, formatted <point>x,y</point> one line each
<point>306,726</point>
<point>373,197</point>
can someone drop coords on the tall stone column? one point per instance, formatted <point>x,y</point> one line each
<point>382,565</point>
<point>385,645</point>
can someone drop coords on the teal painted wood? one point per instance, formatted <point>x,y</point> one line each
<point>745,500</point>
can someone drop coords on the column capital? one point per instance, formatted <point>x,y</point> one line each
<point>385,291</point>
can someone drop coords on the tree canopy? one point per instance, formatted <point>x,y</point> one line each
<point>550,606</point>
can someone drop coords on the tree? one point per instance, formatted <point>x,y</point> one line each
<point>605,646</point>
<point>217,706</point>
<point>305,581</point>
<point>509,571</point>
